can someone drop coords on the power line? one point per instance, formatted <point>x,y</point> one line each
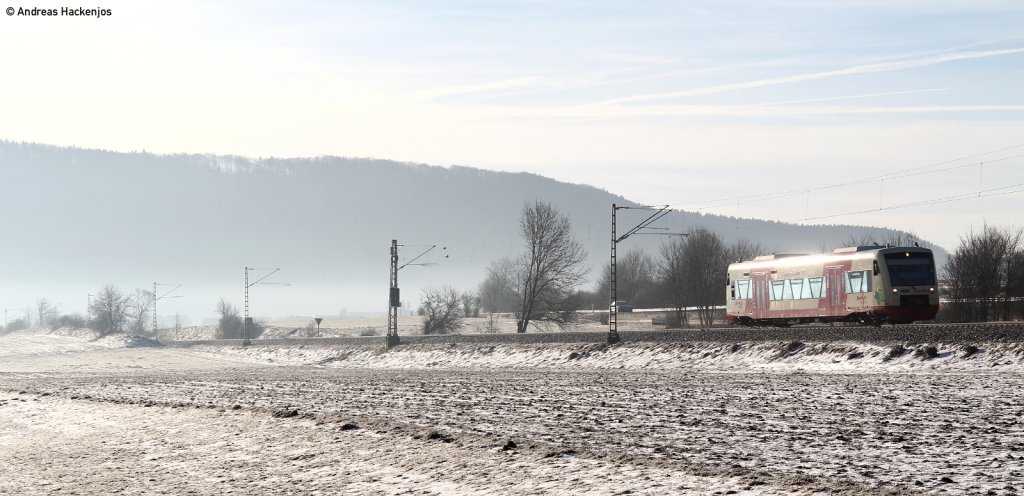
<point>894,175</point>
<point>914,171</point>
<point>1005,190</point>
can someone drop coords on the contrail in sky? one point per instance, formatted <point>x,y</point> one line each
<point>859,69</point>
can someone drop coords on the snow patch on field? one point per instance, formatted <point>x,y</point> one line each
<point>63,340</point>
<point>783,357</point>
<point>761,356</point>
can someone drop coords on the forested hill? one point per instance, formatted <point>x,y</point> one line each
<point>94,217</point>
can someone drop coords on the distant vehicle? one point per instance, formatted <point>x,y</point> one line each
<point>866,284</point>
<point>624,306</point>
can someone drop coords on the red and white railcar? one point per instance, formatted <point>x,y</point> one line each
<point>867,284</point>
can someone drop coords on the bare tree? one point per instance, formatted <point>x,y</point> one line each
<point>707,262</point>
<point>442,310</point>
<point>139,304</point>
<point>634,278</point>
<point>744,249</point>
<point>983,275</point>
<point>498,290</point>
<point>110,310</point>
<point>470,303</point>
<point>672,275</point>
<point>45,312</point>
<point>551,270</point>
<point>1015,284</point>
<point>692,272</point>
<point>230,324</point>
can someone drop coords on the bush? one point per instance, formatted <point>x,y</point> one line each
<point>70,320</point>
<point>16,325</point>
<point>230,324</point>
<point>443,310</point>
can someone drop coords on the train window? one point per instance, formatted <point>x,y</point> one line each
<point>911,269</point>
<point>777,289</point>
<point>787,290</point>
<point>798,285</point>
<point>743,289</point>
<point>816,287</point>
<point>858,281</point>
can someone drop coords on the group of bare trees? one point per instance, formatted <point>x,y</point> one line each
<point>110,311</point>
<point>113,311</point>
<point>46,315</point>
<point>692,273</point>
<point>443,309</point>
<point>540,286</point>
<point>984,277</point>
<point>635,275</point>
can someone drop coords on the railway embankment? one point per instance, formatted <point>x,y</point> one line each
<point>948,348</point>
<point>907,334</point>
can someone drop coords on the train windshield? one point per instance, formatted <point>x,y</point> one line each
<point>910,269</point>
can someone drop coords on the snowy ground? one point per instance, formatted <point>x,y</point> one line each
<point>95,416</point>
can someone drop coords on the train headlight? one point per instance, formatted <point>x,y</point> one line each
<point>894,290</point>
<point>931,289</point>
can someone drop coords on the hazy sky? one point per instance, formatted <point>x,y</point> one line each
<point>685,103</point>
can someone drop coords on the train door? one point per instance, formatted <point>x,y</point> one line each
<point>759,280</point>
<point>834,280</point>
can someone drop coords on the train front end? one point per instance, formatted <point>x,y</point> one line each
<point>910,285</point>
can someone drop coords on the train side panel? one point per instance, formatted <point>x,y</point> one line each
<point>854,284</point>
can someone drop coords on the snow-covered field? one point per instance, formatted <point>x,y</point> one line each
<point>86,415</point>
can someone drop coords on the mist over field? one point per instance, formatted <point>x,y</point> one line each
<point>77,219</point>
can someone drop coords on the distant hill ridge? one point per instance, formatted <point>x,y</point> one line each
<point>72,214</point>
